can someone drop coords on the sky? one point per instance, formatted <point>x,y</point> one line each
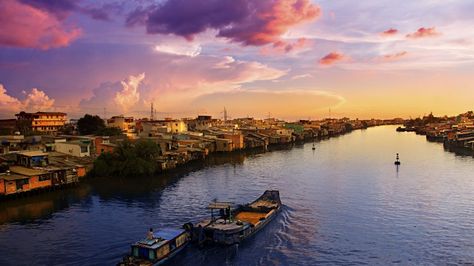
<point>290,59</point>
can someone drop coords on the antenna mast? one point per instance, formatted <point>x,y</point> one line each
<point>152,115</point>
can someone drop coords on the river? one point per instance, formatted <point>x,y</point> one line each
<point>344,203</point>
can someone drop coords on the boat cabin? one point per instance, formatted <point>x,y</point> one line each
<point>224,209</point>
<point>163,246</point>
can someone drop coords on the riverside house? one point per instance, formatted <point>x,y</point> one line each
<point>33,171</point>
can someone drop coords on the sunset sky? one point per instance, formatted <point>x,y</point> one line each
<point>294,59</point>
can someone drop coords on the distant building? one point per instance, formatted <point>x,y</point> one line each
<point>223,145</point>
<point>47,122</point>
<point>78,148</point>
<point>155,127</point>
<point>173,125</point>
<point>102,145</point>
<point>126,124</point>
<point>236,140</point>
<point>202,122</point>
<point>10,142</point>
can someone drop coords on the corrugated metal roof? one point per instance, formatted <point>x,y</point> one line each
<point>33,153</point>
<point>26,171</point>
<point>12,177</point>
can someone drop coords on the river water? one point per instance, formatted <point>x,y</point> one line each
<point>345,203</point>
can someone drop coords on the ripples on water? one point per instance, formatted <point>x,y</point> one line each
<point>345,203</point>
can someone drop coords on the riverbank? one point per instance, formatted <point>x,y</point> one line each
<point>178,169</point>
<point>456,132</point>
<point>35,171</point>
<point>181,161</point>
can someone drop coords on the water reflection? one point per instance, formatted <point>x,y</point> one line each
<point>42,206</point>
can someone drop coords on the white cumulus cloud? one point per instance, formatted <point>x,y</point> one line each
<point>8,102</point>
<point>129,95</point>
<point>36,100</point>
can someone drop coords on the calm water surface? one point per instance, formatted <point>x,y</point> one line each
<point>345,203</point>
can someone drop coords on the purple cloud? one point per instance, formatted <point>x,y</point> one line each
<point>36,29</point>
<point>60,9</point>
<point>243,21</point>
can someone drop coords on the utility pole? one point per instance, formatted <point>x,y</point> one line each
<point>152,115</point>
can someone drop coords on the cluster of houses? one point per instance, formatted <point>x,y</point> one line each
<point>457,132</point>
<point>35,153</point>
<point>27,171</point>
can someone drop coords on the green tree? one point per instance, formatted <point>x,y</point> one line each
<point>147,149</point>
<point>67,129</point>
<point>90,124</point>
<point>109,131</point>
<point>104,165</point>
<point>129,160</point>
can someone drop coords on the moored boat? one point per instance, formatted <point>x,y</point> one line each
<point>233,225</point>
<point>164,245</point>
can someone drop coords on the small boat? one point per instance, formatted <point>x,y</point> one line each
<point>166,244</point>
<point>314,147</point>
<point>233,226</point>
<point>397,161</point>
<point>405,129</point>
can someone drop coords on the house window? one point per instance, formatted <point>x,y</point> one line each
<point>21,182</point>
<point>44,177</point>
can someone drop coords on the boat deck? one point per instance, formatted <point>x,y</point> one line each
<point>220,224</point>
<point>251,217</point>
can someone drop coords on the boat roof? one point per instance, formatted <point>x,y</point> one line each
<point>161,237</point>
<point>169,233</point>
<point>220,205</point>
<point>151,244</point>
